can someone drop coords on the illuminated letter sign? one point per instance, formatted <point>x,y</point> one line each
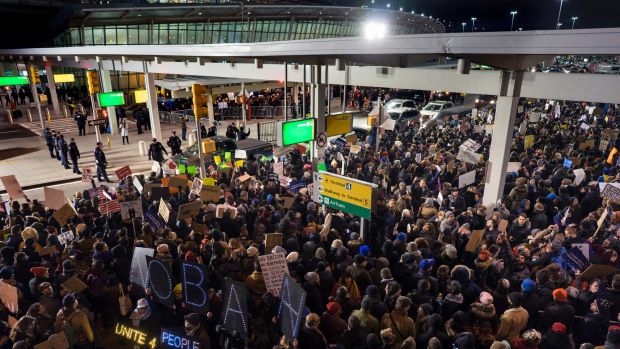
<point>139,269</point>
<point>292,301</point>
<point>195,284</point>
<point>135,335</point>
<point>234,317</point>
<point>160,280</point>
<point>173,340</point>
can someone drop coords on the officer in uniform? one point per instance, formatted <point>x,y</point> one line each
<point>101,162</point>
<point>156,151</point>
<point>64,150</point>
<point>49,140</point>
<point>174,142</point>
<point>80,119</point>
<point>74,153</point>
<point>58,146</point>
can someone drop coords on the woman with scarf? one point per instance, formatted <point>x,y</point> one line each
<point>347,281</point>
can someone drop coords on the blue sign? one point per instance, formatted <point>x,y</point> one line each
<point>568,163</point>
<point>173,340</point>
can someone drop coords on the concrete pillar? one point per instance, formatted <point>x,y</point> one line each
<point>52,86</point>
<point>35,96</point>
<point>295,92</point>
<point>210,110</point>
<point>106,81</point>
<point>505,115</point>
<point>151,102</point>
<point>317,109</point>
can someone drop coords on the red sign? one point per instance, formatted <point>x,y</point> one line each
<point>109,207</point>
<point>123,172</point>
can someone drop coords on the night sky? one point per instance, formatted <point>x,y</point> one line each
<point>494,15</point>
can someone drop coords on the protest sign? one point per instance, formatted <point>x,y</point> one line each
<point>470,145</point>
<point>468,156</point>
<point>195,283</point>
<point>87,175</point>
<point>47,251</point>
<point>164,211</point>
<point>190,209</point>
<point>139,271</point>
<point>584,248</point>
<point>474,240</point>
<point>575,259</point>
<point>611,191</point>
<point>598,271</point>
<point>109,207</point>
<point>158,193</point>
<point>222,208</point>
<point>66,237</point>
<point>502,226</point>
<point>467,179</point>
<point>355,149</point>
<point>580,174</point>
<point>55,341</point>
<point>603,145</point>
<point>278,168</point>
<point>65,213</point>
<point>244,178</point>
<point>585,145</point>
<point>210,194</point>
<point>161,281</point>
<point>513,167</point>
<point>196,186</point>
<point>12,187</point>
<point>208,181</point>
<point>568,163</point>
<point>123,172</point>
<point>173,183</point>
<point>171,167</point>
<point>292,302</point>
<point>528,141</point>
<point>54,198</point>
<point>138,185</point>
<point>478,128</point>
<point>74,284</point>
<point>274,268</point>
<point>131,209</point>
<point>272,240</point>
<point>234,317</point>
<point>8,295</point>
<point>535,117</point>
<point>156,167</point>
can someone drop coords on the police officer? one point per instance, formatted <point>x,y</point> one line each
<point>49,140</point>
<point>174,142</point>
<point>80,119</point>
<point>58,146</point>
<point>74,153</point>
<point>183,127</point>
<point>64,150</point>
<point>212,130</point>
<point>54,145</point>
<point>101,162</point>
<point>156,151</point>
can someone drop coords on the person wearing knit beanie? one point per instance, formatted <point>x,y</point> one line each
<point>560,295</point>
<point>558,327</point>
<point>40,272</point>
<point>486,298</point>
<point>528,286</point>
<point>333,308</point>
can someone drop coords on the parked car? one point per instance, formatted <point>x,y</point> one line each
<point>445,116</point>
<point>432,108</point>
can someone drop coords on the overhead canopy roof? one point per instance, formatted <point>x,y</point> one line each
<point>184,81</point>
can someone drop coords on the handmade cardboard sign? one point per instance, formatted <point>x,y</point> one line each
<point>274,268</point>
<point>74,284</point>
<point>131,209</point>
<point>138,185</point>
<point>87,175</point>
<point>54,198</point>
<point>54,341</point>
<point>474,240</point>
<point>164,211</point>
<point>190,209</point>
<point>65,213</point>
<point>210,194</point>
<point>272,240</point>
<point>13,188</point>
<point>123,172</point>
<point>467,179</point>
<point>196,186</point>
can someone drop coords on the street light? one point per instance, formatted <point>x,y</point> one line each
<point>473,22</point>
<point>574,19</point>
<point>559,25</point>
<point>513,13</point>
<point>463,24</point>
<point>559,12</point>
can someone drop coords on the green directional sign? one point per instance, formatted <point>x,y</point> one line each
<point>111,99</point>
<point>13,80</point>
<point>346,194</point>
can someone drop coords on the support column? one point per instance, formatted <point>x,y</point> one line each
<point>151,103</point>
<point>106,81</point>
<point>295,92</point>
<point>505,115</point>
<point>51,84</point>
<point>35,96</point>
<point>243,105</point>
<point>210,110</point>
<point>317,109</point>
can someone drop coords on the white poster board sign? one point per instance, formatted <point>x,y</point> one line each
<point>274,268</point>
<point>139,271</point>
<point>467,179</point>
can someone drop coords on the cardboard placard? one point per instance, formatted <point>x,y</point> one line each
<point>288,202</point>
<point>123,172</point>
<point>54,198</point>
<point>351,139</point>
<point>173,183</point>
<point>159,193</point>
<point>244,178</point>
<point>528,141</point>
<point>8,295</point>
<point>87,175</point>
<point>467,179</point>
<point>272,240</point>
<point>55,341</point>
<point>513,167</point>
<point>598,271</point>
<point>611,192</point>
<point>278,168</point>
<point>474,240</point>
<point>47,251</point>
<point>74,284</point>
<point>12,187</point>
<point>468,156</point>
<point>138,185</point>
<point>355,149</point>
<point>131,209</point>
<point>502,226</point>
<point>164,210</point>
<point>109,207</point>
<point>196,186</point>
<point>580,174</point>
<point>274,268</point>
<point>190,209</point>
<point>208,181</point>
<point>210,194</point>
<point>65,213</point>
<point>222,208</point>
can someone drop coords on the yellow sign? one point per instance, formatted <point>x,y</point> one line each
<point>138,337</point>
<point>140,96</point>
<point>346,194</point>
<point>528,141</point>
<point>338,124</point>
<point>58,78</point>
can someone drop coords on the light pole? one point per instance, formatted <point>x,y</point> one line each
<point>574,19</point>
<point>473,22</point>
<point>512,23</point>
<point>559,13</point>
<point>463,24</point>
<point>559,25</point>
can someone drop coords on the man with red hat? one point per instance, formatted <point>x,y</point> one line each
<point>558,311</point>
<point>41,275</point>
<point>332,326</point>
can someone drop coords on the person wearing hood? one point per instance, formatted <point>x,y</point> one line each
<point>483,314</point>
<point>519,192</point>
<point>145,318</point>
<point>452,302</point>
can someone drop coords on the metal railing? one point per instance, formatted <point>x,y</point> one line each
<point>234,113</point>
<point>267,131</point>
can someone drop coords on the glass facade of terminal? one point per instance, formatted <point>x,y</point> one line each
<point>217,32</point>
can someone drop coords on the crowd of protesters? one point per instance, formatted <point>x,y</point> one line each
<point>411,281</point>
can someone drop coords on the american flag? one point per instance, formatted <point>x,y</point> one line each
<point>98,192</point>
<point>109,207</point>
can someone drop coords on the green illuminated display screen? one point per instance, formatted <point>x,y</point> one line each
<point>299,131</point>
<point>13,80</point>
<point>111,99</point>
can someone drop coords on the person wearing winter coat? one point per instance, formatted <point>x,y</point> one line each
<point>558,311</point>
<point>310,337</point>
<point>482,315</point>
<point>332,326</point>
<point>398,321</point>
<point>368,323</point>
<point>595,322</point>
<point>514,320</point>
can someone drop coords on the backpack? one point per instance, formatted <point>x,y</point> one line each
<point>71,333</point>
